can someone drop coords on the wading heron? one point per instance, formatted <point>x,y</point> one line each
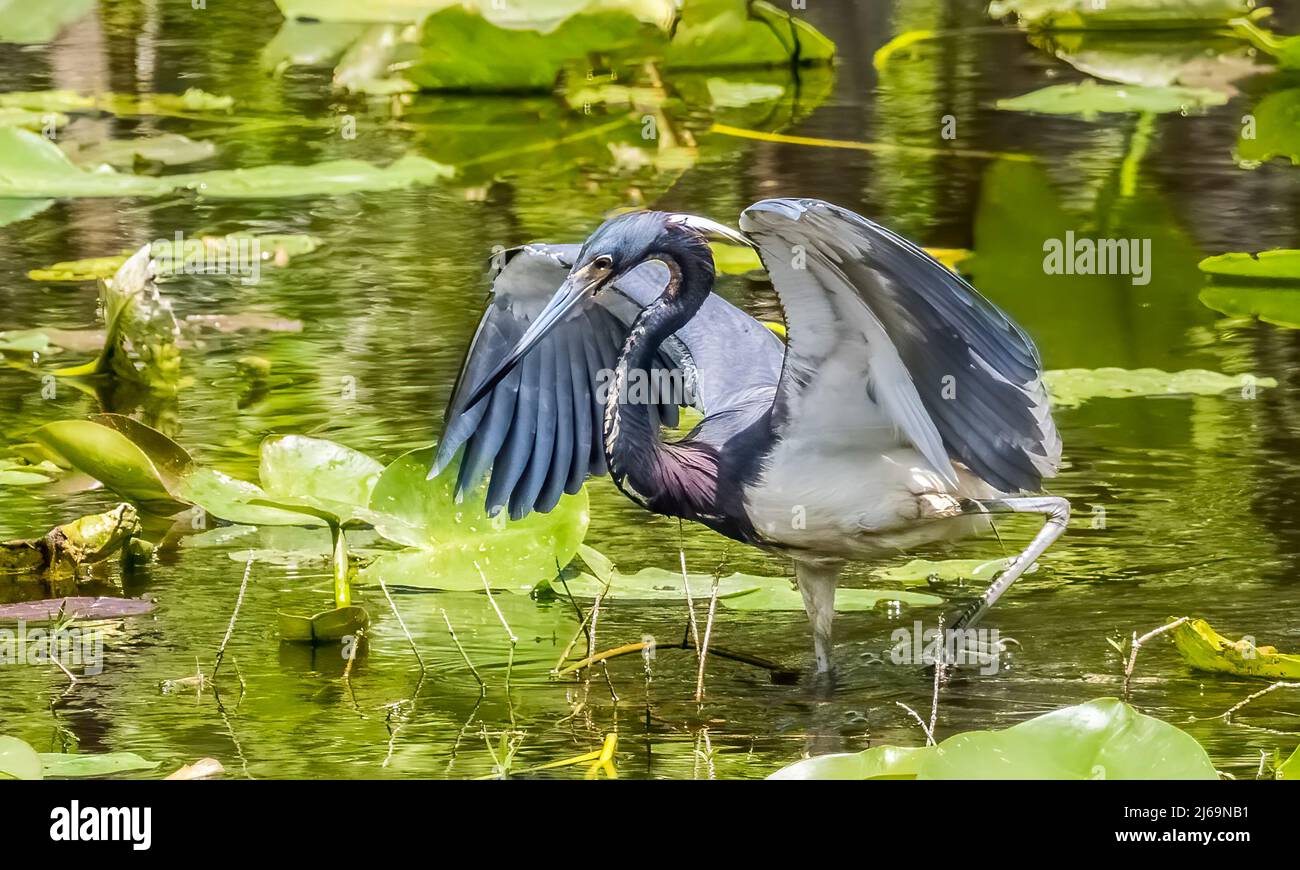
<point>903,408</point>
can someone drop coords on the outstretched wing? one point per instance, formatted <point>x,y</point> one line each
<point>867,310</point>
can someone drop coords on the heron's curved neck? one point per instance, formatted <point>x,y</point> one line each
<point>666,477</point>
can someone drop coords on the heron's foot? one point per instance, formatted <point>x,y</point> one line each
<point>965,616</point>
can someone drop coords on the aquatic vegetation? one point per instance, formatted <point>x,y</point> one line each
<point>1102,739</point>
<point>65,548</point>
<point>18,760</point>
<point>84,608</point>
<point>1206,650</point>
<point>1279,306</point>
<point>1121,14</point>
<point>1090,99</point>
<point>1070,387</point>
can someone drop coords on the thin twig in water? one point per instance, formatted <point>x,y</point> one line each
<point>686,582</point>
<point>402,622</point>
<point>704,646</point>
<point>1137,645</point>
<point>473,670</point>
<point>929,735</point>
<point>230,629</point>
<point>939,665</point>
<point>510,664</point>
<point>1228,714</point>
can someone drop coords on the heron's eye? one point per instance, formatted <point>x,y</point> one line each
<point>604,262</point>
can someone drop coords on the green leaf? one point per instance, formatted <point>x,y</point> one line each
<point>773,597</point>
<point>1102,739</point>
<point>13,211</point>
<point>1206,650</point>
<point>104,448</point>
<point>450,537</point>
<point>1090,99</point>
<point>1276,265</point>
<point>1289,769</point>
<point>30,24</point>
<point>11,116</point>
<point>1121,14</point>
<point>1279,306</point>
<point>69,765</point>
<point>318,473</point>
<point>922,571</point>
<point>879,762</point>
<point>33,167</point>
<point>169,149</point>
<point>1071,387</point>
<point>737,33</point>
<point>232,500</point>
<point>1275,131</point>
<point>18,760</point>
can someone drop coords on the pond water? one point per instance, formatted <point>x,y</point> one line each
<point>1183,506</point>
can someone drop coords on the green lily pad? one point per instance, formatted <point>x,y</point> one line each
<point>75,765</point>
<point>1102,739</point>
<point>33,167</point>
<point>236,501</point>
<point>25,474</point>
<point>13,211</point>
<point>659,584</point>
<point>1275,131</point>
<point>193,101</point>
<point>773,597</point>
<point>1071,387</point>
<point>1276,265</point>
<point>1121,14</point>
<point>330,626</point>
<point>879,762</point>
<point>1090,99</point>
<point>11,116</point>
<point>18,760</point>
<point>737,33</point>
<point>33,24</point>
<point>127,457</point>
<point>922,571</point>
<point>1279,306</point>
<point>169,149</point>
<point>318,473</point>
<point>447,538</point>
<point>1206,650</point>
<point>190,255</point>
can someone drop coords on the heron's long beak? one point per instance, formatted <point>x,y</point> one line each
<point>577,288</point>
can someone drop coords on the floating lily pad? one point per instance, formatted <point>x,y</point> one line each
<point>192,255</point>
<point>1071,387</point>
<point>330,626</point>
<point>169,149</point>
<point>78,765</point>
<point>659,584</point>
<point>879,762</point>
<point>18,760</point>
<point>32,120</point>
<point>1273,266</point>
<point>318,473</point>
<point>24,474</point>
<point>1102,739</point>
<point>33,167</point>
<point>31,24</point>
<point>1279,306</point>
<point>1090,99</point>
<point>1206,650</point>
<point>773,597</point>
<point>922,571</point>
<point>451,542</point>
<point>193,101</point>
<point>1275,131</point>
<point>1121,14</point>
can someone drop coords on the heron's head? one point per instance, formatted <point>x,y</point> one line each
<point>618,246</point>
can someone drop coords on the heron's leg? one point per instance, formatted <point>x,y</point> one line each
<point>817,585</point>
<point>1055,509</point>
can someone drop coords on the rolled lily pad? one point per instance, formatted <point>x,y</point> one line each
<point>330,626</point>
<point>18,760</point>
<point>451,542</point>
<point>77,765</point>
<point>1206,650</point>
<point>1090,99</point>
<point>24,474</point>
<point>1279,306</point>
<point>1072,387</point>
<point>1102,739</point>
<point>922,571</point>
<point>65,548</point>
<point>236,501</point>
<point>129,458</point>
